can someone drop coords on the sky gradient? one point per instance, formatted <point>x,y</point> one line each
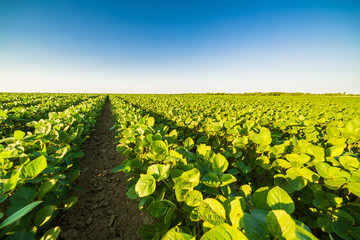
<point>179,46</point>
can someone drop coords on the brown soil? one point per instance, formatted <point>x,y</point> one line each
<point>103,210</point>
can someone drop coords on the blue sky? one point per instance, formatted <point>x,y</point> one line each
<point>180,46</point>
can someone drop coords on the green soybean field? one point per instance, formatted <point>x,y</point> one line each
<point>197,166</point>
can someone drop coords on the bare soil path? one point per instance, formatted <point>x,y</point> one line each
<point>103,210</point>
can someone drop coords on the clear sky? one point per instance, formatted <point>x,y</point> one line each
<point>180,46</point>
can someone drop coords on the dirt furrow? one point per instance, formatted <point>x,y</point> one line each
<point>103,210</point>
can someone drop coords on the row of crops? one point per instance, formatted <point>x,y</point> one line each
<point>242,167</point>
<point>40,137</point>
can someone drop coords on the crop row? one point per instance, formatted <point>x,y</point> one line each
<point>37,168</point>
<point>242,167</point>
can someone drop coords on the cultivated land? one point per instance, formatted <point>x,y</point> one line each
<point>203,166</point>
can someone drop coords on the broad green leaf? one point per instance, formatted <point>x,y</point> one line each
<point>303,234</point>
<point>159,171</point>
<point>158,209</point>
<point>342,229</point>
<point>262,138</point>
<point>194,215</point>
<point>211,180</point>
<point>43,215</point>
<point>212,211</point>
<point>220,164</point>
<point>354,187</point>
<point>254,228</point>
<point>150,121</point>
<point>18,135</point>
<point>245,191</point>
<point>279,199</point>
<point>227,179</point>
<point>349,162</point>
<point>69,202</point>
<point>189,143</point>
<point>281,225</point>
<point>175,233</point>
<point>335,151</point>
<point>19,214</point>
<point>234,211</point>
<point>51,234</point>
<point>35,167</point>
<point>131,193</point>
<point>324,170</point>
<point>325,224</point>
<point>21,236</point>
<point>259,198</point>
<point>11,183</point>
<point>46,187</point>
<point>224,232</point>
<point>145,186</point>
<point>193,198</point>
<point>23,196</point>
<point>190,178</point>
<point>160,147</point>
<point>147,231</point>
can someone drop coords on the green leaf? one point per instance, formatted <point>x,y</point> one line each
<point>259,198</point>
<point>323,170</point>
<point>349,162</point>
<point>354,187</point>
<point>160,147</point>
<point>342,229</point>
<point>234,211</point>
<point>3,198</point>
<point>46,187</point>
<point>69,202</point>
<point>19,214</point>
<point>159,171</point>
<point>212,211</point>
<point>131,193</point>
<point>147,232</point>
<point>281,225</point>
<point>193,198</point>
<point>18,135</point>
<point>245,191</point>
<point>224,232</point>
<point>303,234</point>
<point>335,151</point>
<point>325,224</point>
<point>227,179</point>
<point>11,183</point>
<point>35,167</point>
<point>279,199</point>
<point>21,236</point>
<point>174,233</point>
<point>190,179</point>
<point>211,180</point>
<point>254,228</point>
<point>189,143</point>
<point>150,121</point>
<point>44,215</point>
<point>51,234</point>
<point>145,186</point>
<point>23,196</point>
<point>220,164</point>
<point>158,209</point>
<point>262,138</point>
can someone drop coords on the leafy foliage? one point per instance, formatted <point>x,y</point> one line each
<point>39,151</point>
<point>237,167</point>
